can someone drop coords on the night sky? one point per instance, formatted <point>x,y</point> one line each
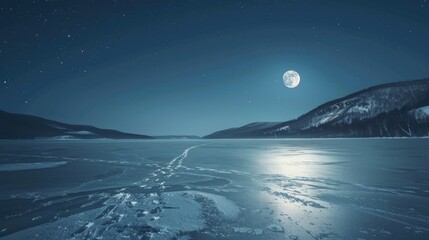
<point>194,67</point>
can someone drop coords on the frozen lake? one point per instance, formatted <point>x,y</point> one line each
<point>215,189</point>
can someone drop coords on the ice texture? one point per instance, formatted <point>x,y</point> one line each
<point>215,189</point>
<point>29,166</point>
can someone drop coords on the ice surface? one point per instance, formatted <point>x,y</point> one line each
<point>243,230</point>
<point>182,215</point>
<point>29,166</point>
<point>275,228</point>
<point>247,230</point>
<point>215,189</point>
<point>228,208</point>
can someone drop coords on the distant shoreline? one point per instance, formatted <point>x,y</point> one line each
<point>209,139</point>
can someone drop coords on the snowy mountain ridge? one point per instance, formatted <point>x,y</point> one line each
<point>365,104</point>
<point>360,114</point>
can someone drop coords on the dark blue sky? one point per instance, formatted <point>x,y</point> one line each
<point>194,67</point>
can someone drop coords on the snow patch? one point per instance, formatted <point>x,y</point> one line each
<point>58,127</point>
<point>242,230</point>
<point>421,113</point>
<point>285,128</point>
<point>81,133</point>
<point>275,228</point>
<point>425,109</point>
<point>254,231</point>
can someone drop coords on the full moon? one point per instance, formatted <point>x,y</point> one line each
<point>291,79</point>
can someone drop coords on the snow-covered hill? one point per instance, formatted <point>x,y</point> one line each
<point>20,126</point>
<point>349,113</point>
